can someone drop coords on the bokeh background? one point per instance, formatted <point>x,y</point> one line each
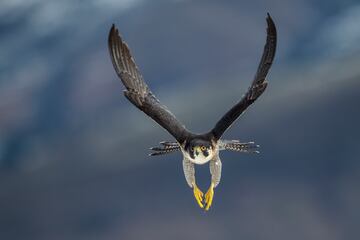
<point>73,150</point>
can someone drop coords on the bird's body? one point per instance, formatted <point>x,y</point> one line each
<point>196,148</point>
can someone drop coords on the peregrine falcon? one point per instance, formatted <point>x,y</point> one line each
<point>195,148</point>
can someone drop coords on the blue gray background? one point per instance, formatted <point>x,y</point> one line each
<point>73,150</point>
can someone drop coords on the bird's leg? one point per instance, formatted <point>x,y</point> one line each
<point>209,196</point>
<point>198,194</point>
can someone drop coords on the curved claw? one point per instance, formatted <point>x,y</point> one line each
<point>198,195</point>
<point>209,196</point>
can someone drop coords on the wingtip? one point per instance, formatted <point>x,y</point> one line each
<point>112,32</point>
<point>270,23</point>
<point>112,29</point>
<point>268,17</point>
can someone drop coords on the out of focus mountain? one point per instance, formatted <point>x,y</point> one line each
<point>73,151</point>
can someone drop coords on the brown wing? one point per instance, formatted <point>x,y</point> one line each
<point>257,87</point>
<point>137,92</point>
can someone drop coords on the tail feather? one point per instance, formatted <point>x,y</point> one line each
<point>165,143</point>
<point>167,147</point>
<point>236,145</point>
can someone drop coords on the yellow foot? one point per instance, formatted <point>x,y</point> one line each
<point>209,197</point>
<point>198,195</point>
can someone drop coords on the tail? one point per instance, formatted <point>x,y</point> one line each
<point>236,145</point>
<point>167,147</point>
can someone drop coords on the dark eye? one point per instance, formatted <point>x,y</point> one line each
<point>203,148</point>
<point>192,148</point>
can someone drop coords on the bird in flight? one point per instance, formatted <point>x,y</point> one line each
<point>196,148</point>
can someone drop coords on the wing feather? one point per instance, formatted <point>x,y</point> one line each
<point>137,92</point>
<point>258,85</point>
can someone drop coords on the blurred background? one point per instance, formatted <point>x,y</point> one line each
<point>73,150</point>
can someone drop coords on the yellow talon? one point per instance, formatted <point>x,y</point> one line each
<point>198,195</point>
<point>209,197</point>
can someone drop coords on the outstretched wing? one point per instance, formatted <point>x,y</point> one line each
<point>137,92</point>
<point>257,87</point>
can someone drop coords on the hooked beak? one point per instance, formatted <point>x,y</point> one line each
<point>197,150</point>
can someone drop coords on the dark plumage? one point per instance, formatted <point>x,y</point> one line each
<point>196,148</point>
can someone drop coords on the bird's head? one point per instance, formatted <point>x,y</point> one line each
<point>200,151</point>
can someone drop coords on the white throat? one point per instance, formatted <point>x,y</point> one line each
<point>199,159</point>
